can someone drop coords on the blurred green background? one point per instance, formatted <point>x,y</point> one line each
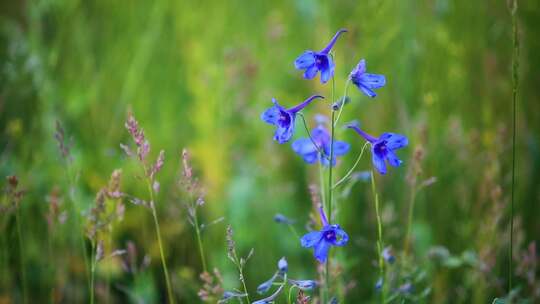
<point>197,74</point>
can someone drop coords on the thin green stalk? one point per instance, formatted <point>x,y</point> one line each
<point>379,235</point>
<point>345,94</point>
<point>21,254</point>
<point>319,149</point>
<point>75,214</point>
<point>321,182</point>
<point>409,220</point>
<point>290,293</point>
<point>241,271</point>
<point>199,242</point>
<point>92,271</point>
<point>293,230</point>
<point>515,83</point>
<point>160,243</point>
<point>344,178</point>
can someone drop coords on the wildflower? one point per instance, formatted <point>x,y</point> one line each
<point>282,219</point>
<point>378,284</point>
<point>284,119</point>
<point>283,266</point>
<point>313,62</point>
<point>388,255</point>
<point>366,82</point>
<point>318,147</point>
<point>303,284</point>
<point>229,295</point>
<point>382,148</point>
<point>321,241</point>
<point>265,286</point>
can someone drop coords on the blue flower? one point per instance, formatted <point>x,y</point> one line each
<point>382,148</point>
<point>303,284</point>
<point>388,255</point>
<point>306,148</point>
<point>378,284</point>
<point>314,62</point>
<point>283,266</point>
<point>264,287</point>
<point>284,119</point>
<point>366,82</point>
<point>282,219</point>
<point>321,241</point>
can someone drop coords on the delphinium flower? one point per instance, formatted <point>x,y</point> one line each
<point>383,148</point>
<point>388,255</point>
<point>281,273</point>
<point>366,82</point>
<point>318,147</point>
<point>321,241</point>
<point>313,62</point>
<point>284,119</point>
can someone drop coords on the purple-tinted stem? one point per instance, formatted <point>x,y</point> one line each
<point>327,49</point>
<point>303,104</point>
<point>366,136</point>
<point>324,221</point>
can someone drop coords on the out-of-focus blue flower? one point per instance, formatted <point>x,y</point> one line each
<point>264,287</point>
<point>284,119</point>
<point>228,295</point>
<point>379,284</point>
<point>321,241</point>
<point>306,148</point>
<point>313,62</point>
<point>388,255</point>
<point>282,219</point>
<point>282,265</point>
<point>304,284</point>
<point>366,82</point>
<point>406,288</point>
<point>382,148</point>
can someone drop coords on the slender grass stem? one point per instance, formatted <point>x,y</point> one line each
<point>410,213</point>
<point>199,242</point>
<point>160,243</point>
<point>344,178</point>
<point>321,181</point>
<point>21,255</point>
<point>345,94</point>
<point>515,83</point>
<point>241,271</point>
<point>293,230</point>
<point>92,271</point>
<point>290,293</point>
<point>379,235</point>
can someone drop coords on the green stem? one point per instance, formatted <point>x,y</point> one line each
<point>409,220</point>
<point>293,230</point>
<point>515,83</point>
<point>199,242</point>
<point>344,178</point>
<point>321,181</point>
<point>21,254</point>
<point>160,243</point>
<point>319,149</point>
<point>345,94</point>
<point>241,271</point>
<point>92,271</point>
<point>379,234</point>
<point>290,293</point>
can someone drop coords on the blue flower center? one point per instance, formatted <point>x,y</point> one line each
<point>284,119</point>
<point>321,61</point>
<point>380,148</point>
<point>330,235</point>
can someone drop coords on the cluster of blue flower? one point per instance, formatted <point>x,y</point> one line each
<point>321,145</point>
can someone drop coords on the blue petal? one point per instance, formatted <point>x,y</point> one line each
<point>303,146</point>
<point>271,115</point>
<point>372,81</point>
<point>327,71</point>
<point>366,91</point>
<point>310,158</point>
<point>304,284</point>
<point>392,158</point>
<point>320,135</point>
<point>341,148</point>
<point>311,72</point>
<point>305,60</point>
<point>321,251</point>
<point>310,239</point>
<point>341,236</point>
<point>326,162</point>
<point>394,141</point>
<point>378,162</point>
<point>264,287</point>
<point>359,69</point>
<point>284,134</point>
